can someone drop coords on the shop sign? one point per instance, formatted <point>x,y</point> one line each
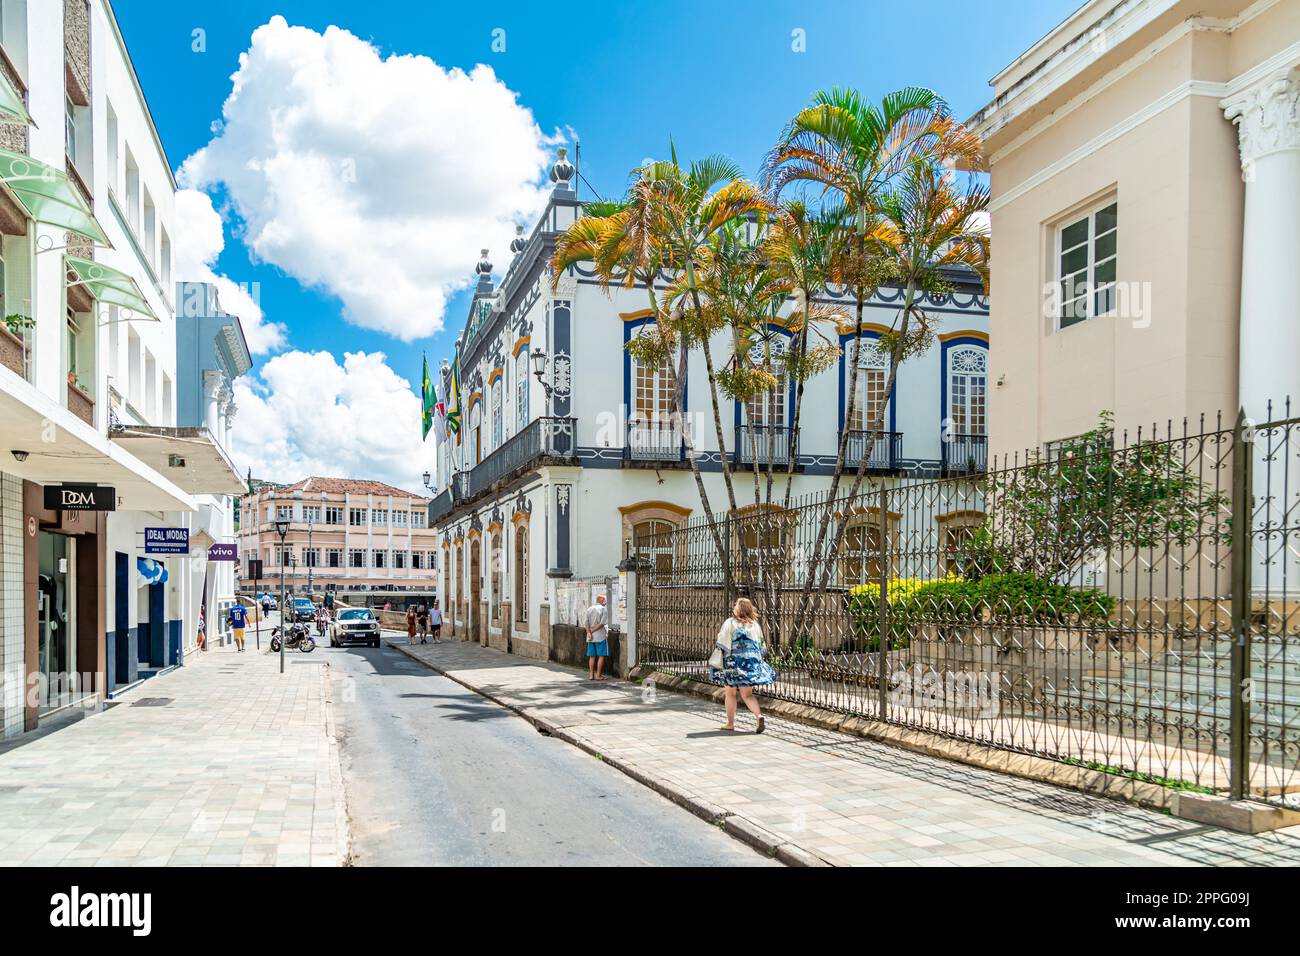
<point>223,552</point>
<point>80,498</point>
<point>166,540</point>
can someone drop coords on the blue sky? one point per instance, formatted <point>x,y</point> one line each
<point>625,76</point>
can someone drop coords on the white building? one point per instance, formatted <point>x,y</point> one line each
<point>548,482</point>
<point>88,378</point>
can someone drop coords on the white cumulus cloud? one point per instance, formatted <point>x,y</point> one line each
<point>376,179</point>
<point>304,414</point>
<point>199,241</point>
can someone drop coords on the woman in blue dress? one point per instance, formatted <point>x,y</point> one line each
<point>737,662</point>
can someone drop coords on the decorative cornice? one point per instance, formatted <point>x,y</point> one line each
<point>964,334</point>
<point>520,343</point>
<point>1267,116</point>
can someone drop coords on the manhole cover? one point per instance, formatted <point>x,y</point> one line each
<point>152,702</point>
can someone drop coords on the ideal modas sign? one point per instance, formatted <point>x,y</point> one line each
<point>80,498</point>
<point>166,540</point>
<point>223,552</point>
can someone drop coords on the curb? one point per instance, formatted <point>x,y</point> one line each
<point>736,826</point>
<point>342,829</point>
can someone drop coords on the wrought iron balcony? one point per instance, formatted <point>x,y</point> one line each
<point>549,437</point>
<point>881,449</point>
<point>965,454</point>
<point>762,444</point>
<point>653,441</point>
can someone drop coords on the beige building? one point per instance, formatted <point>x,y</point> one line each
<point>1145,164</point>
<point>352,534</point>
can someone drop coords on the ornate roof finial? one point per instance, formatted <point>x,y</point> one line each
<point>563,170</point>
<point>519,242</point>
<point>484,268</point>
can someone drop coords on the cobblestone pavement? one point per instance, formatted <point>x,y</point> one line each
<point>847,800</point>
<point>238,767</point>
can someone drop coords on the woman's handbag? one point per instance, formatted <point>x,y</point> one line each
<point>715,659</point>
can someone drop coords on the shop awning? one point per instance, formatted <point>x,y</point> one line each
<point>109,285</point>
<point>12,107</point>
<point>48,195</point>
<point>190,457</point>
<point>56,447</point>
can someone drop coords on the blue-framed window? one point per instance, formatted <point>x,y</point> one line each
<point>873,375</point>
<point>965,386</point>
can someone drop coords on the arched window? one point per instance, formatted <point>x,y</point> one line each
<point>861,556</point>
<point>651,432</point>
<point>872,405</point>
<point>476,435</point>
<point>968,390</point>
<point>521,390</point>
<point>762,542</point>
<point>769,407</point>
<point>653,539</point>
<point>497,413</point>
<point>495,559</point>
<point>521,572</point>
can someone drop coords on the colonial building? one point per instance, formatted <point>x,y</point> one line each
<point>565,455</point>
<point>91,599</point>
<point>342,534</point>
<point>1145,164</point>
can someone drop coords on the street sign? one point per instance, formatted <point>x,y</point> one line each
<point>80,497</point>
<point>223,552</point>
<point>166,541</point>
<point>255,568</point>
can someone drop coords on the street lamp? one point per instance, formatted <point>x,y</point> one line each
<point>539,369</point>
<point>282,529</point>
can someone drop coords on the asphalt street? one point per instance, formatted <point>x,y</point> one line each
<point>437,775</point>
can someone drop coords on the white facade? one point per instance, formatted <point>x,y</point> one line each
<point>569,476</point>
<point>86,386</point>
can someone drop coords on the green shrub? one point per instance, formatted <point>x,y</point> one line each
<point>1020,598</point>
<point>1015,598</point>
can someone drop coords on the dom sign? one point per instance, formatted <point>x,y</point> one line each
<point>80,498</point>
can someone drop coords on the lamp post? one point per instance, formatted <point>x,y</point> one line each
<point>282,529</point>
<point>539,370</point>
<point>308,556</point>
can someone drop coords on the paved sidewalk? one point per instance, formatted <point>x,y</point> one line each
<point>240,767</point>
<point>846,800</point>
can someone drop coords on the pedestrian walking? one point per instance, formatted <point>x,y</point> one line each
<point>422,618</point>
<point>737,662</point>
<point>435,622</point>
<point>410,625</point>
<point>238,621</point>
<point>597,619</point>
<point>266,606</point>
<point>201,639</point>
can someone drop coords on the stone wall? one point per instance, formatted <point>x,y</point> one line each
<point>76,49</point>
<point>569,646</point>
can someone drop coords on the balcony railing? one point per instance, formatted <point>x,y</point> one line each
<point>653,441</point>
<point>965,454</point>
<point>763,444</point>
<point>881,449</point>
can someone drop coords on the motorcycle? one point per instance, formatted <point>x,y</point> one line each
<point>299,637</point>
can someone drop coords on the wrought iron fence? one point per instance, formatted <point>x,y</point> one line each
<point>1130,603</point>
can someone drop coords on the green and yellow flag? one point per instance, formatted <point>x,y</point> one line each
<point>426,401</point>
<point>453,408</point>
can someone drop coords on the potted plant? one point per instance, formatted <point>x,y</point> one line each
<point>17,322</point>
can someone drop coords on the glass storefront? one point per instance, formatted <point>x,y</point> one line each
<point>57,620</point>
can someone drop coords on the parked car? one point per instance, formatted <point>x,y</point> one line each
<point>354,625</point>
<point>303,609</point>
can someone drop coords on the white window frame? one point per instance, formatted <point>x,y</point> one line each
<point>1091,286</point>
<point>969,427</point>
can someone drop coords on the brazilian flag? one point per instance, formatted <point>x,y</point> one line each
<point>426,401</point>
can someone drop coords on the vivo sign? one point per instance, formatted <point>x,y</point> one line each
<point>80,498</point>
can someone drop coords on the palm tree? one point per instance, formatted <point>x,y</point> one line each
<point>666,225</point>
<point>886,171</point>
